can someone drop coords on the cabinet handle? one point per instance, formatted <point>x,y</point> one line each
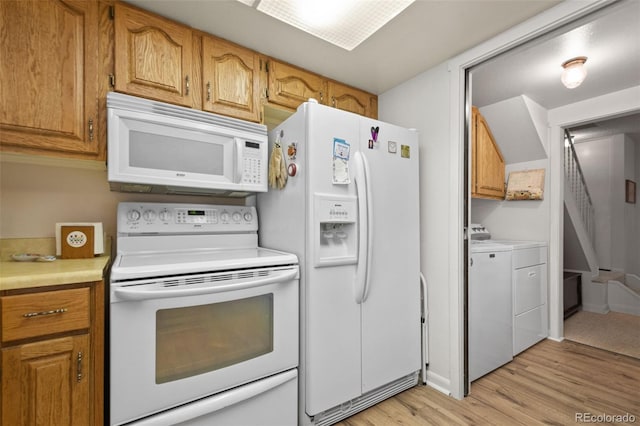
<point>208,91</point>
<point>79,361</point>
<point>43,313</point>
<point>187,85</point>
<point>321,97</point>
<point>91,129</point>
<point>333,101</point>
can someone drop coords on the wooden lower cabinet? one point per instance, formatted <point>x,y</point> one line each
<point>47,383</point>
<point>52,356</point>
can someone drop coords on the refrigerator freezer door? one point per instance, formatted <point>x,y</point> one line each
<point>391,320</point>
<point>332,344</point>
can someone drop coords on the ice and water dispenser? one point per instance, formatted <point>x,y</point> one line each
<point>336,228</point>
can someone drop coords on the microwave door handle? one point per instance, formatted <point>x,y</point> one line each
<point>216,403</point>
<point>139,293</point>
<point>238,157</point>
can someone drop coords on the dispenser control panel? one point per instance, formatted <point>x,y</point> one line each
<point>337,210</point>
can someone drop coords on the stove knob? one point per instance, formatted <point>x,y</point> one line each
<point>133,215</point>
<point>149,215</point>
<point>248,217</point>
<point>237,217</point>
<point>165,215</point>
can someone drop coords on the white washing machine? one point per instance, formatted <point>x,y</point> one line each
<point>490,307</point>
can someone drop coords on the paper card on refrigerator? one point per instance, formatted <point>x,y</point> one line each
<point>341,153</point>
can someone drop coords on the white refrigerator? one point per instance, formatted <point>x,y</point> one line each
<point>350,212</point>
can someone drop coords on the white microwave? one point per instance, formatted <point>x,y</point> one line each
<point>155,147</point>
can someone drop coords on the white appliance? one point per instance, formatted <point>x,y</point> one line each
<point>350,212</point>
<point>162,148</point>
<point>490,314</point>
<point>529,281</point>
<point>203,322</point>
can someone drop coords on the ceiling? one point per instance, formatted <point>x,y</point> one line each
<point>610,38</point>
<point>425,34</point>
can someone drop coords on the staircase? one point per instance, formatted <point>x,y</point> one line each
<point>579,215</point>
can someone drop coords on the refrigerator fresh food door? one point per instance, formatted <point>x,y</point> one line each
<point>391,305</point>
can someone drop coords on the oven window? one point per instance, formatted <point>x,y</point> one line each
<point>198,339</point>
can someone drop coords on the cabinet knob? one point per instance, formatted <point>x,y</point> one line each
<point>187,85</point>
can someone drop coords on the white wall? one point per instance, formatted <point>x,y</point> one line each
<point>33,197</point>
<point>420,103</point>
<point>602,162</point>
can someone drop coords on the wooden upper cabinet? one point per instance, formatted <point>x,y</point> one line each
<point>487,163</point>
<point>290,86</point>
<point>48,76</point>
<point>230,79</point>
<point>350,99</point>
<point>153,56</point>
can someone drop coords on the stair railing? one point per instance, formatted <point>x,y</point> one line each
<point>578,186</point>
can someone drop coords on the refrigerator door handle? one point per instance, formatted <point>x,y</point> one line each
<point>365,222</point>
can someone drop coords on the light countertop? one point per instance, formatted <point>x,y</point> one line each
<point>19,275</point>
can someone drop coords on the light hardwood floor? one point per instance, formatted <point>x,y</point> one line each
<point>549,384</point>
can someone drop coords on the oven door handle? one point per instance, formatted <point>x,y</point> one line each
<point>139,293</point>
<point>216,403</point>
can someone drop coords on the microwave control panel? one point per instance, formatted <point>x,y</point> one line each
<point>253,164</point>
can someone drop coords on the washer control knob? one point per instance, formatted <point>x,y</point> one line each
<point>133,215</point>
<point>237,217</point>
<point>248,217</point>
<point>224,216</point>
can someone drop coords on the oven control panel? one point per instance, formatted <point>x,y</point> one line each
<point>185,218</point>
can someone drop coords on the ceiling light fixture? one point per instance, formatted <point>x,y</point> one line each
<point>345,23</point>
<point>574,72</point>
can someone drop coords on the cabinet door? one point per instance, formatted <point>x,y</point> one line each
<point>152,56</point>
<point>487,162</point>
<point>351,99</point>
<point>290,86</point>
<point>230,79</point>
<point>46,383</point>
<point>48,76</point>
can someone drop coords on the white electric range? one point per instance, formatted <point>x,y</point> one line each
<point>203,322</point>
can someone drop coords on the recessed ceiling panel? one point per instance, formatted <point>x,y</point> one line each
<point>345,23</point>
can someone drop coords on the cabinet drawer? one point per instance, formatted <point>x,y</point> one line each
<point>529,328</point>
<point>529,257</point>
<point>39,314</point>
<point>529,288</point>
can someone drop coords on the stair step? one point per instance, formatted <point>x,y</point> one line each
<point>606,276</point>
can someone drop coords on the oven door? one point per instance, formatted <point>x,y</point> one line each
<point>178,339</point>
